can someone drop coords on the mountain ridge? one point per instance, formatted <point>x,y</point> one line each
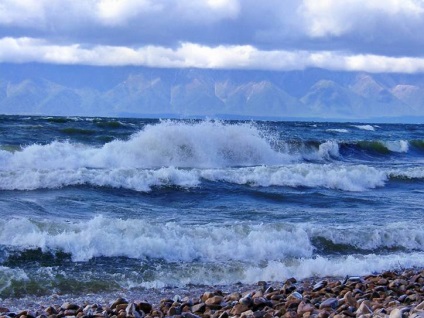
<point>41,89</point>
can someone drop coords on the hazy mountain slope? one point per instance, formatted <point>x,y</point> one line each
<point>137,91</point>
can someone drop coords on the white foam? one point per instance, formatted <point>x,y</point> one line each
<point>392,235</point>
<point>171,241</point>
<point>328,150</point>
<point>401,146</point>
<point>407,173</point>
<point>364,127</point>
<point>215,243</point>
<point>319,266</point>
<point>134,179</point>
<point>339,130</point>
<point>206,144</point>
<point>332,176</point>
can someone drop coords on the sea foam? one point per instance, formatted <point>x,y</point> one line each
<point>215,242</point>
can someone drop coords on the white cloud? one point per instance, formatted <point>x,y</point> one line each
<point>118,12</point>
<point>22,12</point>
<point>200,56</point>
<point>335,18</point>
<point>37,13</point>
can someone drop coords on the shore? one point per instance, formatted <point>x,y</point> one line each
<point>391,294</point>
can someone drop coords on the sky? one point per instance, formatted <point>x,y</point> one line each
<point>349,35</point>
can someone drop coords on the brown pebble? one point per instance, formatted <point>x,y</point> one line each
<point>238,309</point>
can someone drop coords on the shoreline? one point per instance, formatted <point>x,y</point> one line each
<point>391,294</point>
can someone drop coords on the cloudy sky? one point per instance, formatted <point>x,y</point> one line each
<point>359,35</point>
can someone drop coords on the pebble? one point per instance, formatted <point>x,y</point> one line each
<point>388,295</point>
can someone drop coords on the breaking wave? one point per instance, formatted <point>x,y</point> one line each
<point>174,242</point>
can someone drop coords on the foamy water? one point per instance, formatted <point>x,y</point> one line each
<point>142,204</point>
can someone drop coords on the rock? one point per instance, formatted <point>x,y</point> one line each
<point>189,315</point>
<point>321,284</point>
<point>295,295</point>
<point>364,309</point>
<point>238,309</point>
<point>269,290</point>
<point>214,300</point>
<point>247,300</point>
<point>350,300</point>
<point>224,315</point>
<point>198,308</point>
<point>233,297</point>
<point>131,310</point>
<point>261,302</point>
<point>206,295</point>
<point>120,307</point>
<point>329,303</point>
<point>145,307</point>
<point>118,301</point>
<point>420,306</point>
<point>304,308</point>
<point>248,313</point>
<point>69,306</point>
<point>172,311</point>
<point>396,313</point>
<point>4,309</point>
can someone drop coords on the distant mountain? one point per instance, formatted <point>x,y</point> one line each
<point>136,91</point>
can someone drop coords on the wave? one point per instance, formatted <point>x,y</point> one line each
<point>407,173</point>
<point>331,176</point>
<point>341,177</point>
<point>203,145</point>
<point>340,130</point>
<point>174,242</point>
<point>38,256</point>
<point>364,127</point>
<point>184,154</point>
<point>142,239</point>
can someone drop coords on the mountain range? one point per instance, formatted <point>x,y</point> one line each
<point>63,90</point>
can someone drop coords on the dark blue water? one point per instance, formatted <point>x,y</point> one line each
<point>93,205</point>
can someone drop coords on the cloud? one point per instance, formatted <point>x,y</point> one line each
<point>335,18</point>
<point>21,50</point>
<point>356,34</point>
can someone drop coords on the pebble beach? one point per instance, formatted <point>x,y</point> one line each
<point>391,294</point>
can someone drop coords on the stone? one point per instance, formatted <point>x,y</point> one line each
<point>214,300</point>
<point>364,308</point>
<point>350,300</point>
<point>295,295</point>
<point>120,307</point>
<point>118,301</point>
<point>396,313</point>
<point>318,286</point>
<point>247,313</point>
<point>145,307</point>
<point>304,308</point>
<point>198,308</point>
<point>329,303</point>
<point>206,295</point>
<point>189,315</point>
<point>233,297</point>
<point>172,311</point>
<point>420,306</point>
<point>224,315</point>
<point>69,306</point>
<point>247,300</point>
<point>238,309</point>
